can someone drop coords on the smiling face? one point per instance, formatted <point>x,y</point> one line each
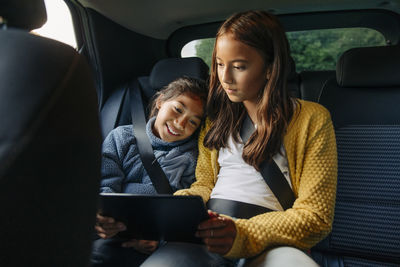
<point>178,118</point>
<point>241,69</point>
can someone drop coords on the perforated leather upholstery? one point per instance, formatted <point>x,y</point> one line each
<point>364,104</point>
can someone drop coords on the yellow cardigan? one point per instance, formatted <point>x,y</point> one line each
<point>311,152</point>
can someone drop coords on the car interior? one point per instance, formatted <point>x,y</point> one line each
<point>50,144</point>
<point>61,109</point>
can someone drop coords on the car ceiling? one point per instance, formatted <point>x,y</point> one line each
<point>159,18</point>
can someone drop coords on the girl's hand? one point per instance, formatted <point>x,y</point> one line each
<point>107,227</point>
<point>218,233</point>
<point>143,246</point>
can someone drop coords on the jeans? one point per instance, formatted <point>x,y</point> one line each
<point>193,255</point>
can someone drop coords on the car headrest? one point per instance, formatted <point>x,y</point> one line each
<point>24,14</point>
<point>167,70</point>
<point>369,67</point>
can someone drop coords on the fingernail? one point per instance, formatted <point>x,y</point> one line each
<point>212,215</point>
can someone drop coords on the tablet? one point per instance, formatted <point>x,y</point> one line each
<point>155,217</point>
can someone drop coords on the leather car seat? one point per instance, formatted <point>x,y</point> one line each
<point>364,104</point>
<point>50,144</point>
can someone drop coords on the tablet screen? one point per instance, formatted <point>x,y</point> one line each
<point>155,217</point>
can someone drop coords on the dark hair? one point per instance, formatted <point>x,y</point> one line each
<point>275,108</point>
<point>185,85</point>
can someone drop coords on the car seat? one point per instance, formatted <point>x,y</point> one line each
<point>50,144</point>
<point>364,104</point>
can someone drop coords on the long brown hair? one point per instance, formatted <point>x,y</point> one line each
<point>263,32</point>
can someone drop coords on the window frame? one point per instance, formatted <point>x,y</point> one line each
<point>384,21</point>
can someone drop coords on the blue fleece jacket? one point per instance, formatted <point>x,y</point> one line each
<point>122,169</point>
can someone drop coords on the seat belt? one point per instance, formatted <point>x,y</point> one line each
<point>150,163</point>
<point>110,111</point>
<point>270,171</point>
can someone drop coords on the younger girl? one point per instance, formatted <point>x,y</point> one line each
<point>250,67</point>
<point>176,114</point>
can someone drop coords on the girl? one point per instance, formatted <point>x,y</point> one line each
<point>176,114</point>
<point>250,66</point>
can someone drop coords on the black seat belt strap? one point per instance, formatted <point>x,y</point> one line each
<point>150,163</point>
<point>111,110</point>
<point>270,171</point>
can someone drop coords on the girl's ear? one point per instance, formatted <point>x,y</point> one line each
<point>159,102</point>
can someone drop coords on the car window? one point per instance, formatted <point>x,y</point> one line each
<point>320,49</point>
<point>59,23</point>
<point>311,50</point>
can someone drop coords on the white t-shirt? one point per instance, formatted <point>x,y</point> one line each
<point>240,181</point>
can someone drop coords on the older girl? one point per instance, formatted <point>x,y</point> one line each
<point>249,75</point>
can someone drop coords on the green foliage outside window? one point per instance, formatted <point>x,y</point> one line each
<point>314,50</point>
<point>320,49</point>
<point>204,49</point>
